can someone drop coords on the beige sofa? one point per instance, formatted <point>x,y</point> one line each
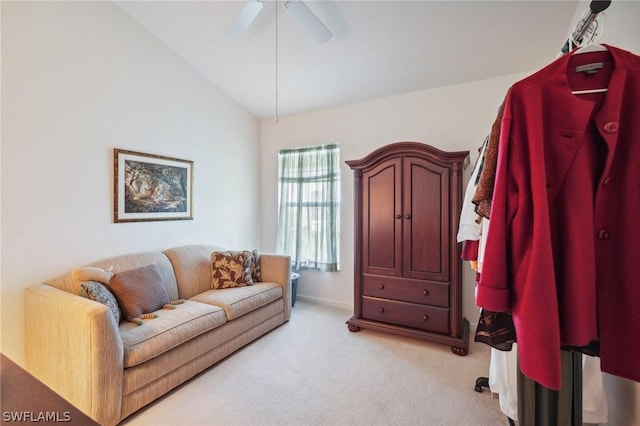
<point>110,370</point>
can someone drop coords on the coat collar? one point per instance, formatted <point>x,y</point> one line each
<point>545,99</point>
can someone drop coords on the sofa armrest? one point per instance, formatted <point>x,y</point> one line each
<point>277,269</point>
<point>73,345</point>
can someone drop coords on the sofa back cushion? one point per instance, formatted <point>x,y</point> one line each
<point>192,266</point>
<point>124,263</point>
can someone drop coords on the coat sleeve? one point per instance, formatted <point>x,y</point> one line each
<point>518,270</point>
<point>493,291</point>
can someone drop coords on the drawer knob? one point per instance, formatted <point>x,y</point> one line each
<point>426,317</point>
<point>425,292</point>
<point>381,310</point>
<point>381,286</point>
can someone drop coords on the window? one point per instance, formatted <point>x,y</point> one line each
<point>309,202</point>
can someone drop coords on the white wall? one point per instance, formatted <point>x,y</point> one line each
<point>82,78</point>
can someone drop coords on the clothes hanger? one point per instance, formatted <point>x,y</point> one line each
<point>585,30</point>
<point>591,48</point>
<point>586,92</point>
<point>590,67</point>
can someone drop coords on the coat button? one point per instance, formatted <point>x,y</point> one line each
<point>603,234</point>
<point>611,127</point>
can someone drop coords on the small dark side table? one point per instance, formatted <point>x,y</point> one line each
<point>26,400</point>
<point>294,287</point>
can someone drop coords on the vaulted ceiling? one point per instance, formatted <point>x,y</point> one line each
<point>378,48</point>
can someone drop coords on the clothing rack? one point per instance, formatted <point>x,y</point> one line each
<point>576,38</point>
<point>577,35</point>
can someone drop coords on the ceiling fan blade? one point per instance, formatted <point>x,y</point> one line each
<point>248,14</point>
<point>308,21</point>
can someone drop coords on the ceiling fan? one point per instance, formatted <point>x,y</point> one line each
<point>298,11</point>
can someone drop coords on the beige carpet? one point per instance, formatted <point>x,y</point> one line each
<point>313,371</point>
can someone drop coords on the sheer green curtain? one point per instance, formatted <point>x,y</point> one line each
<point>309,200</point>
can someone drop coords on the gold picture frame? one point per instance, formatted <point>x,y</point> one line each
<point>150,187</point>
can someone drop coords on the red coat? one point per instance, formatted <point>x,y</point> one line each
<point>563,246</point>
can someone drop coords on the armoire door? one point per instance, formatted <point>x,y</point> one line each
<point>382,219</point>
<point>426,227</point>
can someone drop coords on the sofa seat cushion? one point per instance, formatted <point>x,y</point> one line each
<point>169,329</point>
<point>238,301</point>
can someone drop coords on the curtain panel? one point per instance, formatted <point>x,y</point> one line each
<point>309,202</point>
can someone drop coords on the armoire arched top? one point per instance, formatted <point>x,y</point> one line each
<point>417,149</point>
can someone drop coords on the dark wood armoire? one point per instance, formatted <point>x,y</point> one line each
<point>407,271</point>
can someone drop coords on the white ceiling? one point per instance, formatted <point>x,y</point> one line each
<point>379,48</point>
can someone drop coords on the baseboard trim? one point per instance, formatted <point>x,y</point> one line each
<point>326,302</point>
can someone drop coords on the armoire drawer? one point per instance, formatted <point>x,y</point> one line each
<point>407,290</point>
<point>407,314</point>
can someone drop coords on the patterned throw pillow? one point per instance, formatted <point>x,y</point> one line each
<point>230,269</point>
<point>254,264</point>
<point>98,292</point>
<point>139,291</point>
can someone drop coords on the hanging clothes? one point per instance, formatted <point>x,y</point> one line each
<point>564,229</point>
<point>537,405</point>
<point>496,330</point>
<point>484,189</point>
<point>469,227</point>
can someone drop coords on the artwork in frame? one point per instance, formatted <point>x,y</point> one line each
<point>151,187</point>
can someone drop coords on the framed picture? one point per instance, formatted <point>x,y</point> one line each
<point>151,187</point>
